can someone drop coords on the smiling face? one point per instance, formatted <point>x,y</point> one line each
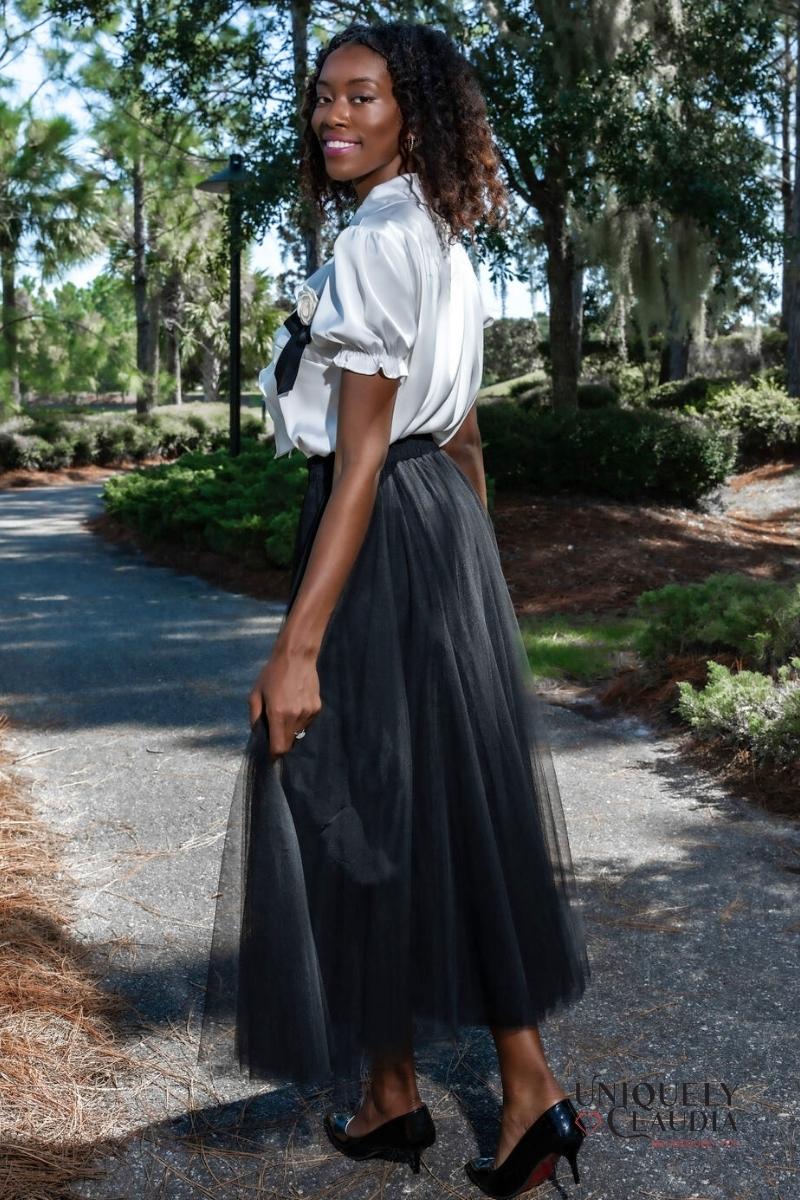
<point>357,119</point>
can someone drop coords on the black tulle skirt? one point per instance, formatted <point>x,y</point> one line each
<point>404,871</point>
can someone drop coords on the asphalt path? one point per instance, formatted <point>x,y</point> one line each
<point>126,685</point>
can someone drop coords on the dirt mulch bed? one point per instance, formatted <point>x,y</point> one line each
<point>578,554</point>
<point>23,478</point>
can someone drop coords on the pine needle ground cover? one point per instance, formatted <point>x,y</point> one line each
<point>61,1066</point>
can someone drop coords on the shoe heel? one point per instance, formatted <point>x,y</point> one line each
<point>414,1160</point>
<point>572,1158</point>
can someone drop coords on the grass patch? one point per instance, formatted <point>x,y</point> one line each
<point>216,412</point>
<point>576,648</point>
<point>507,386</point>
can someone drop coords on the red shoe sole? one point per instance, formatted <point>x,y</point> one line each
<point>542,1171</point>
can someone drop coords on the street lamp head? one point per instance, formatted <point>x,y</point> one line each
<point>229,177</point>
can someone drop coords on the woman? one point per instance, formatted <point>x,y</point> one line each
<point>406,866</point>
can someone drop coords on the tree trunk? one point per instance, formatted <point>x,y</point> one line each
<point>309,222</point>
<point>177,370</point>
<point>172,300</point>
<point>173,304</point>
<point>793,311</point>
<point>153,349</point>
<point>675,355</point>
<point>173,325</point>
<point>143,402</point>
<point>565,286</point>
<point>211,370</point>
<point>8,267</point>
<point>788,66</point>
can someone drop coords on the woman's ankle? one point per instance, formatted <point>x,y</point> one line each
<point>539,1092</point>
<point>394,1095</point>
<point>392,1082</point>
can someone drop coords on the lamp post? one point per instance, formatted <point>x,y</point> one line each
<point>228,182</point>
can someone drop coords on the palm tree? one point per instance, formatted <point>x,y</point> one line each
<point>48,206</point>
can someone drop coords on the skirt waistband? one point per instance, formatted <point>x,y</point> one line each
<point>406,447</point>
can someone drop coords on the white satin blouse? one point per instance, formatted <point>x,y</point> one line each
<point>390,298</point>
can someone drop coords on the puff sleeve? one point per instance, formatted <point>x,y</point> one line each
<point>368,314</point>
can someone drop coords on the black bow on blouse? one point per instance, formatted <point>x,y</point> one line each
<point>288,363</point>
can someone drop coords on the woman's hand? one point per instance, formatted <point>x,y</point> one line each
<point>287,690</point>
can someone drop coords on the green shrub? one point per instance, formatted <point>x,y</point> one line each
<point>246,506</point>
<point>48,424</point>
<point>678,393</point>
<point>251,424</point>
<point>218,438</point>
<point>178,440</point>
<point>626,454</point>
<point>740,352</point>
<point>84,447</point>
<point>748,709</point>
<point>235,534</point>
<point>78,438</point>
<point>522,386</point>
<point>143,441</point>
<point>774,376</point>
<point>59,453</point>
<point>598,349</point>
<point>756,618</point>
<point>9,451</point>
<point>198,423</point>
<point>510,348</point>
<point>280,537</point>
<point>773,348</point>
<point>532,393</point>
<point>596,394</point>
<point>631,381</point>
<point>765,417</point>
<point>22,451</point>
<point>110,442</point>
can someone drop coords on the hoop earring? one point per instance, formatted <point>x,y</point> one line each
<point>411,143</point>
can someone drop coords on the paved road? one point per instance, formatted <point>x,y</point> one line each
<point>127,687</point>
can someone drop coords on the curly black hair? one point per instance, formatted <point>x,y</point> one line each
<point>440,99</point>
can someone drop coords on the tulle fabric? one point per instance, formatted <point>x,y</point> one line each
<point>404,871</point>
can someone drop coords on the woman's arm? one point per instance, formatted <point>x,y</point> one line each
<point>466,451</point>
<point>288,686</point>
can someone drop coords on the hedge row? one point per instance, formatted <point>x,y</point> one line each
<point>250,504</point>
<point>683,443</point>
<point>247,507</point>
<point>625,454</point>
<point>762,415</point>
<point>51,440</point>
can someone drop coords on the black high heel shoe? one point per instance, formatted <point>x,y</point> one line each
<point>412,1132</point>
<point>534,1158</point>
